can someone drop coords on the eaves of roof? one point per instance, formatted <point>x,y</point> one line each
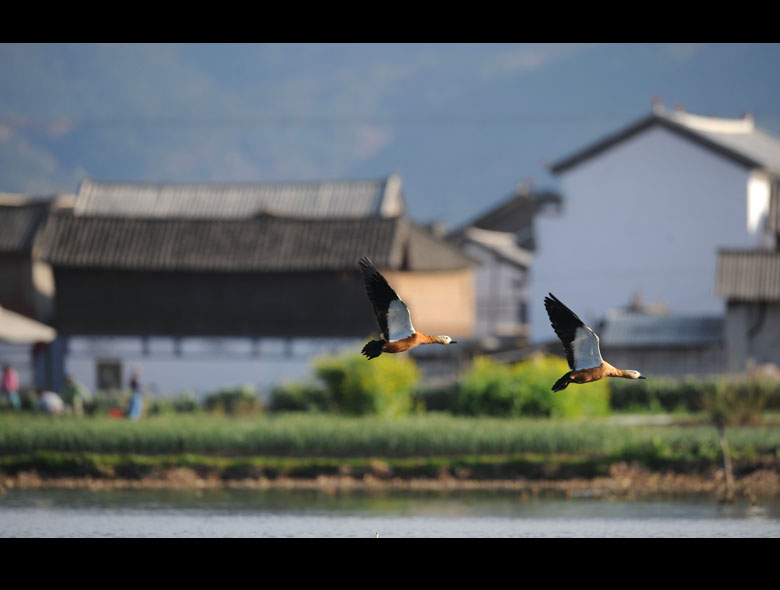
<point>641,125</point>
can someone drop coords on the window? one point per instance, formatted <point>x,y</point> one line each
<point>109,374</point>
<point>522,312</point>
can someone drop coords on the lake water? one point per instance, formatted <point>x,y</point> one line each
<point>277,514</point>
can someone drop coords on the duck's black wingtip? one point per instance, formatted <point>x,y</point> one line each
<point>562,383</point>
<point>373,349</point>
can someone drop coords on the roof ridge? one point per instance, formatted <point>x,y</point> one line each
<point>315,198</point>
<point>709,132</point>
<point>238,184</point>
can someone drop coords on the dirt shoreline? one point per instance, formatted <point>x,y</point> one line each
<point>624,481</point>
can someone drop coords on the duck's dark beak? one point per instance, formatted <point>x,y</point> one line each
<point>642,377</point>
<point>453,341</point>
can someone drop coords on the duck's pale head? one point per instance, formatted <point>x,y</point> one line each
<point>445,340</point>
<point>631,374</point>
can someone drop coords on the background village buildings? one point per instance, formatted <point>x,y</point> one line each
<point>247,292</point>
<point>665,238</point>
<point>652,217</point>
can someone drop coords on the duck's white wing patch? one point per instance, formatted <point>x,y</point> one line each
<point>585,347</point>
<point>399,323</point>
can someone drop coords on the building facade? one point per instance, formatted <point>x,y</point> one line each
<point>502,240</point>
<point>749,282</point>
<point>202,297</point>
<point>646,210</point>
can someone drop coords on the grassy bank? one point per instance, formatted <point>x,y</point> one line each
<point>329,436</point>
<point>600,458</point>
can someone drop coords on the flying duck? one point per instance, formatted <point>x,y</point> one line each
<point>581,346</point>
<point>395,325</point>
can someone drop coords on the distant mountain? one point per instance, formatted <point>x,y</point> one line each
<point>462,124</point>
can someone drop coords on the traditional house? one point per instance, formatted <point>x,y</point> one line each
<point>647,208</point>
<point>749,282</point>
<point>206,286</point>
<point>502,240</point>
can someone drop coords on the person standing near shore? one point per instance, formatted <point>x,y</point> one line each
<point>76,395</point>
<point>136,408</point>
<point>10,385</point>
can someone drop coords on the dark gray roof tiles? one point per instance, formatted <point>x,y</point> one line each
<point>262,244</point>
<point>19,223</point>
<point>748,275</point>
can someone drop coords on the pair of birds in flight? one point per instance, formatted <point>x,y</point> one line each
<point>397,334</point>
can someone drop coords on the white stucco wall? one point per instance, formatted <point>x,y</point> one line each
<point>204,364</point>
<point>759,187</point>
<point>500,289</point>
<point>649,215</point>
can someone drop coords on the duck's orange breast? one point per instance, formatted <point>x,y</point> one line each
<point>595,373</point>
<point>406,343</point>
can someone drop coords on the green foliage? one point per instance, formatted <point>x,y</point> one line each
<point>184,403</point>
<point>753,395</point>
<point>28,401</point>
<point>736,402</point>
<point>233,401</point>
<point>436,398</point>
<point>524,389</point>
<point>656,394</point>
<point>488,389</point>
<point>332,436</point>
<point>298,397</point>
<point>382,386</point>
<point>103,401</point>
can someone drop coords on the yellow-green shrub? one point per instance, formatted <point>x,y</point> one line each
<point>382,386</point>
<point>233,401</point>
<point>298,397</point>
<point>524,389</point>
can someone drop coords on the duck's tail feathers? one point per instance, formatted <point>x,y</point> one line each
<point>562,383</point>
<point>373,349</point>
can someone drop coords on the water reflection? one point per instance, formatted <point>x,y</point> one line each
<point>307,513</point>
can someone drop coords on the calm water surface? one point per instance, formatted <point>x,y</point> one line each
<point>256,514</point>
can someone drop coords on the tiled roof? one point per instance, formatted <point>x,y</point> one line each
<point>641,330</point>
<point>345,198</point>
<point>19,222</point>
<point>501,243</point>
<point>514,214</point>
<point>748,275</point>
<point>263,243</point>
<point>737,139</point>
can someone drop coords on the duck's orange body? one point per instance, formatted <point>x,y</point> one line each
<point>408,343</point>
<point>595,373</point>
